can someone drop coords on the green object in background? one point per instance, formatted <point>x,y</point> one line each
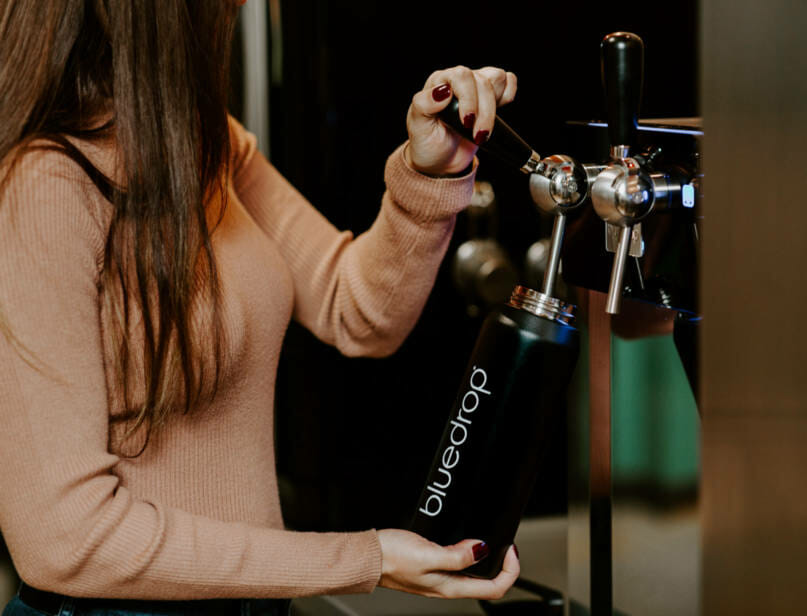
<point>654,421</point>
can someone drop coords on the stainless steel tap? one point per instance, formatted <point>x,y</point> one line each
<point>623,191</point>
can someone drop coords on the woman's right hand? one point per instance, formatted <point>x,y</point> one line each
<point>416,565</point>
<point>436,150</point>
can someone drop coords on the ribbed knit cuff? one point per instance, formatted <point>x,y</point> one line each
<point>373,560</point>
<point>426,198</point>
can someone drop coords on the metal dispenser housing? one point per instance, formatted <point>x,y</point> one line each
<point>638,240</point>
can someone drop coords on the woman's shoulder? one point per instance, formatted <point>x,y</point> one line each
<point>41,183</point>
<point>243,146</point>
<point>44,162</point>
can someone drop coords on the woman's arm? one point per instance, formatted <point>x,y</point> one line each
<point>364,294</point>
<point>70,525</point>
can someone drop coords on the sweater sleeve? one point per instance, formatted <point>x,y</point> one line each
<point>70,525</point>
<point>364,294</point>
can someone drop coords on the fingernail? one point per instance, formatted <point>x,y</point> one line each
<point>515,549</point>
<point>480,551</point>
<point>441,93</point>
<point>481,137</point>
<point>468,121</point>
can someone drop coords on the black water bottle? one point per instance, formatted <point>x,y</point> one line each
<point>490,454</point>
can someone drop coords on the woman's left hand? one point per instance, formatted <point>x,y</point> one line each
<point>434,148</point>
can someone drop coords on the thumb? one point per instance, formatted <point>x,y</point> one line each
<point>429,102</point>
<point>458,556</point>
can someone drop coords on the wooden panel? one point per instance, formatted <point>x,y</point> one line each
<point>753,515</point>
<point>754,292</point>
<point>754,289</point>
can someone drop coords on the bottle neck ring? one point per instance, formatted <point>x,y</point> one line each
<point>541,305</point>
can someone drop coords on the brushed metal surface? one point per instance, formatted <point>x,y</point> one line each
<point>753,289</point>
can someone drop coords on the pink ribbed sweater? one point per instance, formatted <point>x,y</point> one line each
<point>197,515</point>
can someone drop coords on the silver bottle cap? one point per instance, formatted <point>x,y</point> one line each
<point>542,305</point>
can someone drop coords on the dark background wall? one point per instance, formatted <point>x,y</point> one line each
<point>356,436</point>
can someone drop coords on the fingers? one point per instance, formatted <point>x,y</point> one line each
<point>431,101</point>
<point>510,89</point>
<point>411,563</point>
<point>479,93</point>
<point>463,85</point>
<point>486,109</point>
<point>435,149</point>
<point>511,569</point>
<point>473,588</point>
<point>436,95</point>
<point>497,78</point>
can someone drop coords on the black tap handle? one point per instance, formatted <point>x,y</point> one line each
<point>504,143</point>
<point>622,57</point>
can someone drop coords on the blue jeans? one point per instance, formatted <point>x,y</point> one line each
<point>132,607</point>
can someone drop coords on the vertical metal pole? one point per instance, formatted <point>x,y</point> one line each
<point>599,325</point>
<point>254,25</point>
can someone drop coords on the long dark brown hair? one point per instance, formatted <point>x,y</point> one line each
<point>157,70</point>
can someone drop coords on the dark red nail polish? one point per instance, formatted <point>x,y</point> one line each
<point>441,93</point>
<point>480,551</point>
<point>481,137</point>
<point>468,121</point>
<point>515,549</point>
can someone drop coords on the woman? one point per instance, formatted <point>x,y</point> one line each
<point>150,261</point>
